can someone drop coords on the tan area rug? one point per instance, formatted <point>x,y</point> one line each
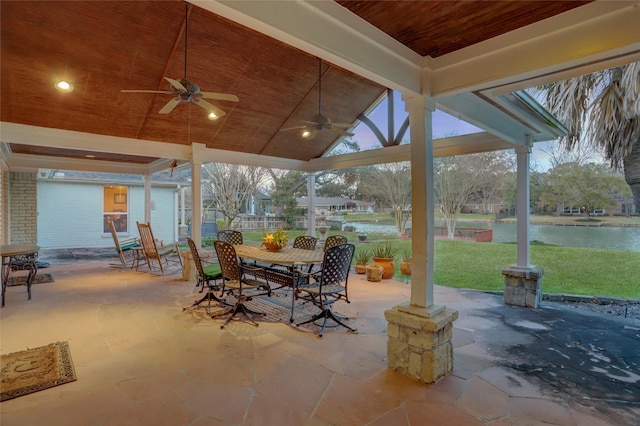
<point>22,280</point>
<point>35,369</point>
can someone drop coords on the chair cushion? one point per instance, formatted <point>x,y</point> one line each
<point>213,270</point>
<point>129,246</point>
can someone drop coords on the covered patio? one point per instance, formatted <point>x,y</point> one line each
<point>141,360</point>
<point>469,59</point>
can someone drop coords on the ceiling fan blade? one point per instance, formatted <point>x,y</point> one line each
<point>220,96</point>
<point>176,84</point>
<point>344,125</point>
<point>209,107</point>
<point>293,128</point>
<point>147,91</point>
<point>341,132</point>
<point>313,123</point>
<point>169,106</point>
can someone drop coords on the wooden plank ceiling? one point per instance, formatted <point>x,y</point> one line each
<point>105,46</point>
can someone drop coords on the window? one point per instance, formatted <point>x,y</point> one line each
<point>116,208</point>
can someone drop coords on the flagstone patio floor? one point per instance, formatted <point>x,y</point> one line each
<point>141,360</point>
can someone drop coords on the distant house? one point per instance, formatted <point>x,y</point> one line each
<point>336,205</point>
<point>73,207</point>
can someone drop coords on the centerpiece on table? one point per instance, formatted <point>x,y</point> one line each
<point>275,241</point>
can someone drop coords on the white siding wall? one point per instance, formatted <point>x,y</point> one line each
<point>70,214</point>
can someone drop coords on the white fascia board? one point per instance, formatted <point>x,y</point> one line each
<point>482,114</point>
<point>66,139</point>
<point>589,38</point>
<point>210,155</point>
<point>31,163</point>
<point>331,32</point>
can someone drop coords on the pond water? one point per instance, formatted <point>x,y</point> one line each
<point>605,237</point>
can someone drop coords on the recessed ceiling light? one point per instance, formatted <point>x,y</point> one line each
<point>212,116</point>
<point>64,86</point>
<point>90,156</point>
<point>306,133</point>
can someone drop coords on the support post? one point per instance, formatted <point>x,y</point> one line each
<point>523,281</point>
<point>311,208</point>
<point>197,153</point>
<point>419,332</point>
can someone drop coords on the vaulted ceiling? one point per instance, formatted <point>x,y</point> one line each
<point>267,54</point>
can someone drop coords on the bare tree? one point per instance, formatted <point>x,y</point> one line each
<point>457,177</point>
<point>580,154</point>
<point>230,186</point>
<point>391,183</point>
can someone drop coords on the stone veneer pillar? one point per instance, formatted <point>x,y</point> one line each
<point>523,286</point>
<point>419,341</point>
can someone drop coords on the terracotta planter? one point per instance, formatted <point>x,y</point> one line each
<point>360,268</point>
<point>374,272</point>
<point>387,265</point>
<point>405,267</point>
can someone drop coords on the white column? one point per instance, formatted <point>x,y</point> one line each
<point>311,195</point>
<point>147,198</point>
<point>420,109</point>
<point>197,151</point>
<point>183,206</point>
<point>523,154</point>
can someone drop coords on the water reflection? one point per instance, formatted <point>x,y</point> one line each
<point>605,237</point>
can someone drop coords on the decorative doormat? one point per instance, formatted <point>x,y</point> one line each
<point>39,279</point>
<point>35,369</point>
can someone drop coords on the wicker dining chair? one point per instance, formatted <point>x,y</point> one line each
<point>330,286</point>
<point>334,240</point>
<point>236,282</point>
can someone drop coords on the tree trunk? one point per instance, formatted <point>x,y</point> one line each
<point>631,166</point>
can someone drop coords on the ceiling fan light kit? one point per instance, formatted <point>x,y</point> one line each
<point>186,91</point>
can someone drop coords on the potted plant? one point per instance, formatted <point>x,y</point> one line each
<point>362,236</point>
<point>405,265</point>
<point>383,255</point>
<point>362,257</point>
<point>275,241</point>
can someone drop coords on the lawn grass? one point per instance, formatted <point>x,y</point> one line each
<point>568,270</point>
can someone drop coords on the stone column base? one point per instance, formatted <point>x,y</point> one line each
<point>523,286</point>
<point>189,271</point>
<point>419,344</point>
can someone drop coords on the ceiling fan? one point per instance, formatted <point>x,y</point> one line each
<point>320,122</point>
<point>186,91</point>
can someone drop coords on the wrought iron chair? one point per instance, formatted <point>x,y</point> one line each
<point>334,240</point>
<point>207,275</point>
<point>238,284</point>
<point>305,242</point>
<point>123,246</point>
<point>230,236</point>
<point>154,253</point>
<point>331,241</point>
<point>331,285</point>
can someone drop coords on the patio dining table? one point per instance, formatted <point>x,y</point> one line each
<point>288,257</point>
<point>18,256</point>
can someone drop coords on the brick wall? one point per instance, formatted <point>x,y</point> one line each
<point>23,208</point>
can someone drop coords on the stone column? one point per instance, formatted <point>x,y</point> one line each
<point>419,344</point>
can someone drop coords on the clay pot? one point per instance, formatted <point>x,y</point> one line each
<point>360,268</point>
<point>405,267</point>
<point>387,265</point>
<point>374,272</point>
<point>273,246</point>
